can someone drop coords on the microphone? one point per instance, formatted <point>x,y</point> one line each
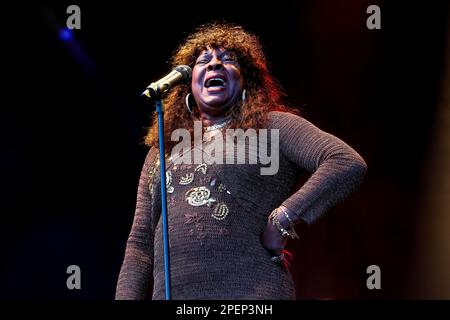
<point>180,74</point>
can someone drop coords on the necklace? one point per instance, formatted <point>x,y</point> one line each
<point>217,125</point>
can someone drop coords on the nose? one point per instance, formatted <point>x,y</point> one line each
<point>215,64</point>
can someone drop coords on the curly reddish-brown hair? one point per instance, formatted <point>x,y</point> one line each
<point>263,93</point>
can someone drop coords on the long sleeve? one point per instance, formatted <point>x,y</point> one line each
<point>135,279</point>
<point>336,169</point>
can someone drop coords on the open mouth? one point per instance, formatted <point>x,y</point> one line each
<point>215,82</point>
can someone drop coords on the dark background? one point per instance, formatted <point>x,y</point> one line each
<point>71,133</point>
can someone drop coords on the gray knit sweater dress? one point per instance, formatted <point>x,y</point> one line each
<point>217,212</point>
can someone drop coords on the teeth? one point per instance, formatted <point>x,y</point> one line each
<point>215,79</point>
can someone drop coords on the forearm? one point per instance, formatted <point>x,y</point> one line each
<point>135,279</point>
<point>332,182</point>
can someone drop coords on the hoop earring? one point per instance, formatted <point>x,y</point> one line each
<point>243,95</point>
<point>186,101</point>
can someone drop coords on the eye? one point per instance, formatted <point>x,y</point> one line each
<point>202,61</point>
<point>228,58</point>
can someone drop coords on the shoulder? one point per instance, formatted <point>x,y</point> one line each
<point>279,119</point>
<point>151,157</point>
<point>151,153</point>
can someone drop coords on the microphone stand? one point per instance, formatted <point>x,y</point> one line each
<point>160,112</point>
<point>156,90</point>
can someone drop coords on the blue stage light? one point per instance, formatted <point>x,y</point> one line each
<point>66,34</point>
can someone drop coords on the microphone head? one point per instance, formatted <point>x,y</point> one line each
<point>158,88</point>
<point>185,71</point>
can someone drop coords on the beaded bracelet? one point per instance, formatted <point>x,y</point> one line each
<point>292,232</point>
<point>285,233</point>
<point>280,228</point>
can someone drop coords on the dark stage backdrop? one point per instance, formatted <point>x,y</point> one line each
<point>71,134</point>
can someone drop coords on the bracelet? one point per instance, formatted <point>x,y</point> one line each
<point>293,234</point>
<point>274,218</point>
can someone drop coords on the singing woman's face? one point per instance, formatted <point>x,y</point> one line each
<point>216,82</point>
